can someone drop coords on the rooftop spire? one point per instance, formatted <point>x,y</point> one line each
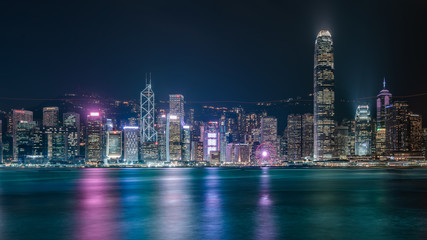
<point>145,79</point>
<point>384,83</point>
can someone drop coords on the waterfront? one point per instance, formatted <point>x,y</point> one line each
<point>213,203</point>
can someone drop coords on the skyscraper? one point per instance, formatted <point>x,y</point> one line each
<point>383,100</point>
<point>363,131</point>
<point>17,116</point>
<point>173,138</point>
<point>222,140</point>
<point>114,146</point>
<point>71,121</point>
<point>148,133</point>
<point>50,116</point>
<point>415,133</point>
<point>269,133</point>
<point>23,138</point>
<point>269,130</point>
<point>131,144</point>
<point>56,143</point>
<point>186,143</point>
<point>161,135</point>
<point>94,139</point>
<point>397,127</point>
<point>294,137</point>
<point>176,105</point>
<point>299,136</point>
<point>210,139</point>
<point>324,96</point>
<point>307,135</point>
<point>342,141</point>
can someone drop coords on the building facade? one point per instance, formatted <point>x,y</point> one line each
<point>363,131</point>
<point>384,99</point>
<point>324,97</point>
<point>50,116</point>
<point>94,139</point>
<point>130,146</point>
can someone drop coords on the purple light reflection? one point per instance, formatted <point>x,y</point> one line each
<point>96,207</point>
<point>266,225</point>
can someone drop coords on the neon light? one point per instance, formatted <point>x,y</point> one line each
<point>19,111</point>
<point>173,117</point>
<point>94,114</point>
<point>186,127</point>
<point>130,127</point>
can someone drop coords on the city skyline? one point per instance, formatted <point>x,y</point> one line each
<point>318,124</point>
<point>235,137</point>
<point>213,119</point>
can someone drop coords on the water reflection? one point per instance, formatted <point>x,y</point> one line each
<point>265,220</point>
<point>174,218</point>
<point>97,206</point>
<point>213,220</point>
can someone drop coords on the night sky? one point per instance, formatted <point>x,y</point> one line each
<point>210,50</point>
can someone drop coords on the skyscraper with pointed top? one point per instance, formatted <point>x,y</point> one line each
<point>324,97</point>
<point>383,100</point>
<point>147,131</point>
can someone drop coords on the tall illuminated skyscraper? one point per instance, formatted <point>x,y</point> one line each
<point>363,131</point>
<point>131,144</point>
<point>18,116</point>
<point>24,131</point>
<point>114,146</point>
<point>173,138</point>
<point>210,139</point>
<point>161,135</point>
<point>383,100</point>
<point>94,139</point>
<point>324,96</point>
<point>148,133</point>
<point>299,135</point>
<point>415,132</point>
<point>269,130</point>
<point>186,143</point>
<point>397,127</point>
<point>307,135</point>
<point>71,121</point>
<point>176,105</point>
<point>294,136</point>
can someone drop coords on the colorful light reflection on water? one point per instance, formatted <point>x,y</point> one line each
<point>213,204</point>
